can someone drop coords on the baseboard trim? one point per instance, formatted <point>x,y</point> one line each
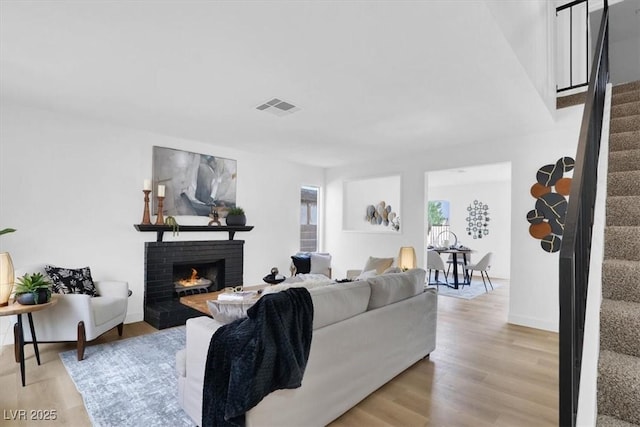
<point>532,322</point>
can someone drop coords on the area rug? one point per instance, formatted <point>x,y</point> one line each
<point>466,292</point>
<point>132,382</point>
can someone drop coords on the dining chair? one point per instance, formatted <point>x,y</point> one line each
<point>482,266</point>
<point>434,262</point>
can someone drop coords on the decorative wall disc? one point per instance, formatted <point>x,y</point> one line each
<point>550,191</point>
<point>477,219</point>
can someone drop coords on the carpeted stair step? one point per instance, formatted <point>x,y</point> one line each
<point>620,327</point>
<point>626,87</point>
<point>625,124</point>
<point>623,110</point>
<point>609,421</point>
<point>623,210</point>
<point>571,100</point>
<point>618,386</point>
<point>625,183</point>
<point>628,160</point>
<point>621,280</point>
<point>624,141</point>
<point>624,97</point>
<point>622,242</point>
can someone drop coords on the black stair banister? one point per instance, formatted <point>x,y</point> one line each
<point>575,250</point>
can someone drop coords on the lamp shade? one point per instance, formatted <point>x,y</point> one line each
<point>6,278</point>
<point>407,258</point>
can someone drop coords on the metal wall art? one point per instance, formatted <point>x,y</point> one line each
<point>551,192</point>
<point>478,219</point>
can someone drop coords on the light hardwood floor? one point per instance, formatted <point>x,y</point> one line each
<point>484,372</point>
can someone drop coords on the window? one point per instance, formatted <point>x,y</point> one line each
<point>309,219</point>
<point>438,216</point>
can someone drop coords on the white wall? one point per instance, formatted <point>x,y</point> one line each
<point>73,190</point>
<point>529,27</point>
<point>496,196</point>
<point>534,273</point>
<point>360,193</point>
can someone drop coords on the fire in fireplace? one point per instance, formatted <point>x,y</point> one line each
<point>187,280</point>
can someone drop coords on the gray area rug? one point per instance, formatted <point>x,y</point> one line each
<point>132,382</point>
<point>467,292</point>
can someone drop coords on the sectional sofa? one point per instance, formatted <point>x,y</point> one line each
<point>364,334</point>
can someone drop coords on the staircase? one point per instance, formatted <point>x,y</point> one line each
<point>619,363</point>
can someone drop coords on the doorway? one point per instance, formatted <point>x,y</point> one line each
<point>473,206</point>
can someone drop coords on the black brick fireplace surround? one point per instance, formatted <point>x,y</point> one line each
<point>162,308</point>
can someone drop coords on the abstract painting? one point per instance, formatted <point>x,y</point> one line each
<point>195,184</point>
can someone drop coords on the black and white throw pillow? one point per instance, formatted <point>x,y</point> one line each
<point>71,280</point>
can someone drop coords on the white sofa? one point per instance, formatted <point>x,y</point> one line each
<point>365,333</point>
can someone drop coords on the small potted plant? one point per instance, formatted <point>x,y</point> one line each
<point>33,289</point>
<point>235,216</point>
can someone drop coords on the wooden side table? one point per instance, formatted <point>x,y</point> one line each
<point>19,309</point>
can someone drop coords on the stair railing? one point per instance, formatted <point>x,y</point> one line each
<point>575,250</point>
<point>569,9</point>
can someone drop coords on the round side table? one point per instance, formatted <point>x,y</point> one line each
<point>19,309</point>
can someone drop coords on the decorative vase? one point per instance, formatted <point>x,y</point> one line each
<point>236,220</point>
<point>41,296</point>
<point>6,278</point>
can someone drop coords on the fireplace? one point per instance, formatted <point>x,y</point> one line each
<point>194,278</point>
<point>217,264</point>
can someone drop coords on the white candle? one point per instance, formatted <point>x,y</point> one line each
<point>147,185</point>
<point>160,190</point>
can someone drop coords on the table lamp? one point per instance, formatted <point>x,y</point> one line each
<point>407,258</point>
<point>6,278</point>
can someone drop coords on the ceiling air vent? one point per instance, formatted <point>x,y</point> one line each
<point>278,107</point>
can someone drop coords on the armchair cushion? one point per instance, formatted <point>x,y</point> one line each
<point>71,281</point>
<point>107,308</point>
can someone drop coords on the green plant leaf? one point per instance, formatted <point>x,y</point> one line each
<point>7,230</point>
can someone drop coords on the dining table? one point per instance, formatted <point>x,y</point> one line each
<point>455,252</point>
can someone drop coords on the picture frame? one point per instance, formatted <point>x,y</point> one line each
<point>195,184</point>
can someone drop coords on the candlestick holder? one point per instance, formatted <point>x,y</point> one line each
<point>160,218</point>
<point>146,217</point>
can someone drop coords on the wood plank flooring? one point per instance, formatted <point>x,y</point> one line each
<point>483,372</point>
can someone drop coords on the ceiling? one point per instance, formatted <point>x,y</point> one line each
<point>370,79</point>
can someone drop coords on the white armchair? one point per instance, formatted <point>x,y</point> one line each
<point>77,317</point>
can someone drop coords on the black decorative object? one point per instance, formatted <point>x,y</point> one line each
<point>550,191</point>
<point>274,277</point>
<point>478,219</point>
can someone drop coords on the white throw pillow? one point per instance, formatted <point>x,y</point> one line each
<point>228,311</point>
<point>378,264</point>
<point>392,270</point>
<point>367,274</point>
<point>320,263</point>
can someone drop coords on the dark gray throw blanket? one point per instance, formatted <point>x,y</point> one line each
<point>251,357</point>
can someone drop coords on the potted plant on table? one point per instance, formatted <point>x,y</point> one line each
<point>33,289</point>
<point>236,216</point>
